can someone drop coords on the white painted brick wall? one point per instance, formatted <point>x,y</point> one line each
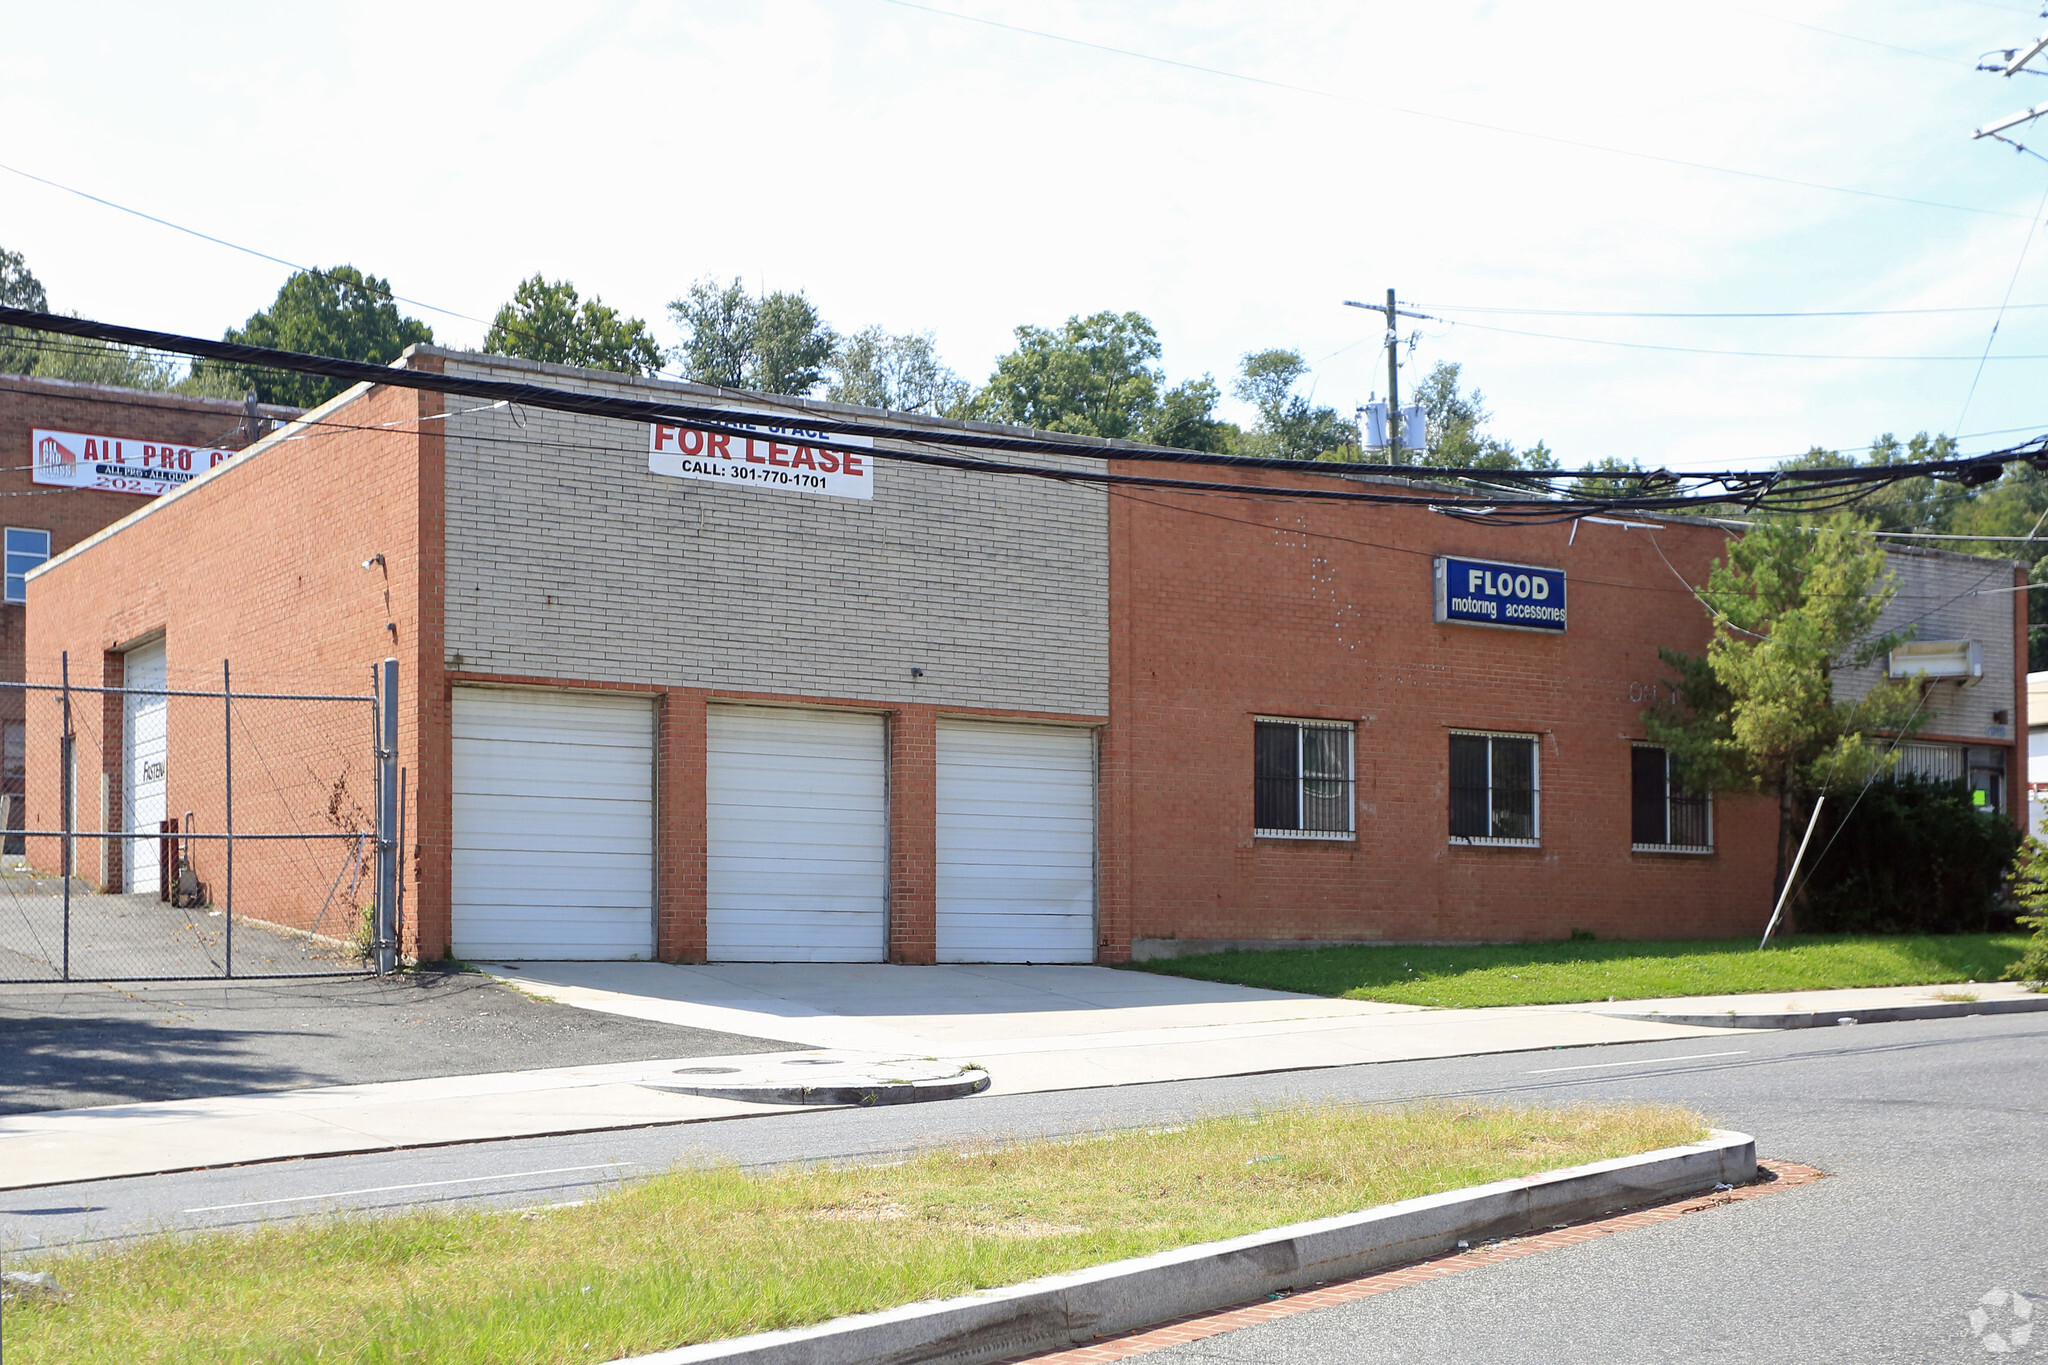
<point>567,558</point>
<point>1951,597</point>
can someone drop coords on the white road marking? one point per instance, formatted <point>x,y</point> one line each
<point>1645,1061</point>
<point>387,1189</point>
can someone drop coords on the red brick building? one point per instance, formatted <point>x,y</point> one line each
<point>53,501</point>
<point>666,697</point>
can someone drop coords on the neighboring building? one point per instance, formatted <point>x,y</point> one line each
<point>2037,754</point>
<point>785,705</point>
<point>60,486</point>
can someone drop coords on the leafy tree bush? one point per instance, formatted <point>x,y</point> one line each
<point>773,344</point>
<point>339,312</point>
<point>551,322</point>
<point>1291,427</point>
<point>1912,857</point>
<point>2030,894</point>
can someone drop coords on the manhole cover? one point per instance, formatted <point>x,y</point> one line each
<point>708,1071</point>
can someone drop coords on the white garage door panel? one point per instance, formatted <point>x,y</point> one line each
<point>553,825</point>
<point>145,739</point>
<point>1016,843</point>
<point>797,819</point>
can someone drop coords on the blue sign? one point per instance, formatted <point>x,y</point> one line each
<point>1481,593</point>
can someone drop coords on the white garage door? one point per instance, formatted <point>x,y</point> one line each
<point>554,825</point>
<point>145,751</point>
<point>799,836</point>
<point>1016,843</point>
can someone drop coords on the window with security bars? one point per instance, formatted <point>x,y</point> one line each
<point>1663,815</point>
<point>1495,794</point>
<point>1301,779</point>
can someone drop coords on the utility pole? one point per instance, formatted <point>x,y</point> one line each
<point>1393,311</point>
<point>2011,61</point>
<point>1393,385</point>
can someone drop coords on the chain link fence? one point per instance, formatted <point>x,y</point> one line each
<point>156,833</point>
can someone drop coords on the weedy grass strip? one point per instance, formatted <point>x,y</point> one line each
<point>696,1255</point>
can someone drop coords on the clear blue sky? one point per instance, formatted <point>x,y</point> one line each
<point>923,171</point>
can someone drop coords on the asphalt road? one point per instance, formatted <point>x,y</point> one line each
<point>1932,1134</point>
<point>76,1045</point>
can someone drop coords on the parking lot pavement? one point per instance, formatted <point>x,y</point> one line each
<point>73,1045</point>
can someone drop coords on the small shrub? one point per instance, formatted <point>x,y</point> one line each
<point>2030,893</point>
<point>1912,857</point>
<point>1582,936</point>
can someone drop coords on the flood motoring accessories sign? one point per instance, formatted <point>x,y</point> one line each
<point>116,464</point>
<point>777,458</point>
<point>1482,593</point>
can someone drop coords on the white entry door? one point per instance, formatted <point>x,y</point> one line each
<point>798,830</point>
<point>145,757</point>
<point>554,825</point>
<point>1016,875</point>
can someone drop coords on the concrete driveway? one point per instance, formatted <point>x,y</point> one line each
<point>1056,1028</point>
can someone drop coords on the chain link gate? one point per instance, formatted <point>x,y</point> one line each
<point>160,833</point>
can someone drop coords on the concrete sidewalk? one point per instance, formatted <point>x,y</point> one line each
<point>1034,1028</point>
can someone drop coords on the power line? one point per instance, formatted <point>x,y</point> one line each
<point>1532,494</point>
<point>1452,119</point>
<point>1721,351</point>
<point>2025,246</point>
<point>1780,313</point>
<point>1850,37</point>
<point>332,278</point>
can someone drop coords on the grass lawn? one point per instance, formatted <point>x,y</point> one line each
<point>1562,972</point>
<point>697,1255</point>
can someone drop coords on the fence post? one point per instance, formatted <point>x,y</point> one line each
<point>64,763</point>
<point>387,820</point>
<point>227,726</point>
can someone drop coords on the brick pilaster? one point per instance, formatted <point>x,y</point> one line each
<point>679,835</point>
<point>913,834</point>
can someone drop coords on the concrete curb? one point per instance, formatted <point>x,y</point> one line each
<point>1066,1310</point>
<point>1883,1014</point>
<point>970,1081</point>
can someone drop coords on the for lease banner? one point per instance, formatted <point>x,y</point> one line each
<point>117,464</point>
<point>777,456</point>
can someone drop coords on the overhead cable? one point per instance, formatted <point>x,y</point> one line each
<point>1533,493</point>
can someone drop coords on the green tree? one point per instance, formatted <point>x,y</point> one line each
<point>340,312</point>
<point>1605,481</point>
<point>773,344</point>
<point>718,333</point>
<point>1790,607</point>
<point>79,359</point>
<point>1185,418</point>
<point>2030,892</point>
<point>1290,426</point>
<point>1093,376</point>
<point>897,373</point>
<point>553,323</point>
<point>792,345</point>
<point>19,288</point>
<point>1457,426</point>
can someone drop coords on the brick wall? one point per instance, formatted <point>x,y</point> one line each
<point>1227,609</point>
<point>260,563</point>
<point>567,557</point>
<point>72,514</point>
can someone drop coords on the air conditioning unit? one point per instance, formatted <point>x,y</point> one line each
<point>1956,661</point>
